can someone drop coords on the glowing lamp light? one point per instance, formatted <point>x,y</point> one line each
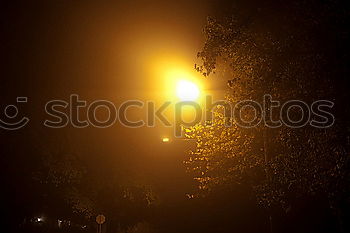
<point>187,91</point>
<point>166,140</point>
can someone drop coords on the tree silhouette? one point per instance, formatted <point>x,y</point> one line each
<point>292,54</point>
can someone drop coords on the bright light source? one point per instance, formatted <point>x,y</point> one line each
<point>165,139</point>
<point>40,219</point>
<point>187,91</point>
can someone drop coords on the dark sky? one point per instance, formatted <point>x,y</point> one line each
<point>50,50</point>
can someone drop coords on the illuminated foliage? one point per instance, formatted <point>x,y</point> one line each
<point>259,55</point>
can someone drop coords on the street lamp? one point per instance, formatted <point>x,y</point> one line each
<point>187,90</point>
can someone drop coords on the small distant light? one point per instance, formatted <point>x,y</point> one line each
<point>39,219</point>
<point>166,140</point>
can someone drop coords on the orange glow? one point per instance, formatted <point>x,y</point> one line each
<point>187,90</point>
<point>175,78</point>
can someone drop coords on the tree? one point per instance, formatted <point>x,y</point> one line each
<point>65,186</point>
<point>290,54</point>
